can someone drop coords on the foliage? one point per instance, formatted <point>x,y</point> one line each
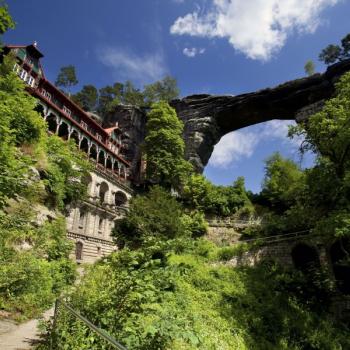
<point>6,21</point>
<point>34,261</point>
<point>66,78</point>
<point>164,147</point>
<point>35,169</point>
<point>309,68</point>
<point>66,168</point>
<point>87,98</point>
<point>283,179</point>
<point>187,302</point>
<point>155,216</point>
<point>162,90</point>
<point>333,53</point>
<point>19,125</point>
<point>200,193</point>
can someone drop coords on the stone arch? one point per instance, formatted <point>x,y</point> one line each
<point>109,162</point>
<point>120,199</point>
<point>93,152</point>
<point>207,117</point>
<point>84,145</point>
<point>101,157</point>
<point>75,136</point>
<point>87,180</point>
<point>79,250</point>
<point>103,192</point>
<point>63,130</point>
<point>52,123</point>
<point>340,258</point>
<point>305,257</point>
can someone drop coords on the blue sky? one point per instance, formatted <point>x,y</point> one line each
<point>210,46</point>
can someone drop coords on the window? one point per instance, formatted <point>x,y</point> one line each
<point>84,125</point>
<point>46,94</point>
<point>100,225</point>
<point>31,81</point>
<point>66,110</point>
<point>23,75</point>
<point>81,219</point>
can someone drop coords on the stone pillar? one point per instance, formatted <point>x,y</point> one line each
<point>59,123</point>
<point>70,131</point>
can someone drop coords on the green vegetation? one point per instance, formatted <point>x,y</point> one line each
<point>309,68</point>
<point>185,301</point>
<point>87,98</point>
<point>333,53</point>
<point>6,21</point>
<point>164,147</point>
<point>39,176</point>
<point>169,289</point>
<point>66,78</point>
<point>108,97</point>
<point>201,194</point>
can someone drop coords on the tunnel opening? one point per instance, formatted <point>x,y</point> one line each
<point>305,257</point>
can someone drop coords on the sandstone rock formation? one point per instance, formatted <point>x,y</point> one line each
<point>207,118</point>
<point>132,120</point>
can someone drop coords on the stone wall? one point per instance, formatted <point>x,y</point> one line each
<point>280,252</point>
<point>90,222</point>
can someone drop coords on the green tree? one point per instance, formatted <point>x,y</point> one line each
<point>87,98</point>
<point>283,179</point>
<point>309,68</point>
<point>345,43</point>
<point>162,90</point>
<point>152,218</point>
<point>132,95</point>
<point>19,125</point>
<point>66,78</point>
<point>331,54</point>
<point>164,147</point>
<point>6,21</point>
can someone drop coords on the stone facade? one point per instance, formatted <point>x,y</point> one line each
<point>90,223</point>
<point>281,252</point>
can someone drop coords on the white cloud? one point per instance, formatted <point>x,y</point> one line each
<point>232,147</point>
<point>192,51</point>
<point>257,28</point>
<point>137,68</point>
<point>241,144</point>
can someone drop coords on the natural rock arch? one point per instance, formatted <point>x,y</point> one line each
<point>207,118</point>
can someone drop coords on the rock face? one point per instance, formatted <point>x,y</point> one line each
<point>132,121</point>
<point>207,118</point>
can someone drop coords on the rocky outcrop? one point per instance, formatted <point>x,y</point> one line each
<point>207,118</point>
<point>132,120</point>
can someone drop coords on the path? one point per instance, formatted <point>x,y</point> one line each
<point>22,336</point>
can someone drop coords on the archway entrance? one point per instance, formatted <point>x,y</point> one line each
<point>340,257</point>
<point>305,258</point>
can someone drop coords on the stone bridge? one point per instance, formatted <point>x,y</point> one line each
<point>207,118</point>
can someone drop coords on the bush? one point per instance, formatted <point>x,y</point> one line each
<point>187,302</point>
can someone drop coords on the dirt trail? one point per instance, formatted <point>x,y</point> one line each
<point>22,336</point>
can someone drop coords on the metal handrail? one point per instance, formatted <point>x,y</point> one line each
<point>102,333</point>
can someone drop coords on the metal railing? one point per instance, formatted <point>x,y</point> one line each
<point>100,332</point>
<point>279,238</point>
